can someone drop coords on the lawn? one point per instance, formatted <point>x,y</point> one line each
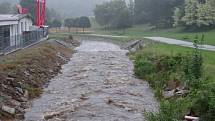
<point>208,56</point>
<point>145,31</point>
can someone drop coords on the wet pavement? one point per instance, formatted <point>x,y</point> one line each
<point>96,85</point>
<point>181,43</point>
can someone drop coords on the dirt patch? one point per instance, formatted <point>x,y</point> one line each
<point>24,74</point>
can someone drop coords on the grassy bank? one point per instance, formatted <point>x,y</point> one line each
<point>171,50</point>
<point>140,31</point>
<point>171,69</point>
<point>23,75</point>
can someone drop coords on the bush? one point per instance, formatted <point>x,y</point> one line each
<point>193,69</point>
<point>204,102</point>
<point>185,70</point>
<point>170,110</point>
<point>158,70</point>
<point>143,67</point>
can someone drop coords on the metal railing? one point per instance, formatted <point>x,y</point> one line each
<point>12,43</point>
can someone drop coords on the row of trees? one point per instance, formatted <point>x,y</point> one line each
<point>80,22</point>
<point>156,12</point>
<point>195,14</point>
<point>159,13</point>
<point>119,14</point>
<point>114,14</point>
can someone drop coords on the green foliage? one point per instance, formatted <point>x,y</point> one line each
<point>156,12</point>
<point>204,101</point>
<point>169,111</point>
<point>203,15</point>
<point>158,69</point>
<point>84,22</point>
<point>198,14</point>
<point>188,69</point>
<point>143,67</point>
<point>190,12</point>
<point>177,16</point>
<point>80,22</point>
<point>102,14</point>
<point>69,22</point>
<point>56,23</point>
<point>52,14</point>
<point>193,66</point>
<point>113,14</point>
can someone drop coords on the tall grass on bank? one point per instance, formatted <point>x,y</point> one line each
<point>172,71</point>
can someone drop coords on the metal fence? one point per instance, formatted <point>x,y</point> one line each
<point>8,44</point>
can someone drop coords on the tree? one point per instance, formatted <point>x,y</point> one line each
<point>51,14</point>
<point>31,6</point>
<point>84,22</point>
<point>131,10</point>
<point>156,12</point>
<point>103,15</point>
<point>76,24</point>
<point>190,18</point>
<point>5,8</point>
<point>197,14</point>
<point>69,23</point>
<point>114,14</point>
<point>178,14</point>
<point>203,17</point>
<point>211,8</point>
<point>122,18</point>
<point>56,23</point>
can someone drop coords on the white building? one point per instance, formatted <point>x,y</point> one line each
<point>11,26</point>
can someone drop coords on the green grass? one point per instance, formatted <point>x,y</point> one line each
<point>140,31</point>
<point>165,49</point>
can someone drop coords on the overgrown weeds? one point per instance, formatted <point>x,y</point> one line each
<point>178,74</point>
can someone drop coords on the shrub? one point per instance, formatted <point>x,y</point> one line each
<point>143,67</point>
<point>204,102</point>
<point>193,69</point>
<point>170,110</point>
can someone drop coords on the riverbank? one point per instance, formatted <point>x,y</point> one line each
<point>23,75</point>
<point>181,77</point>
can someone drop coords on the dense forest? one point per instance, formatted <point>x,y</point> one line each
<point>191,14</point>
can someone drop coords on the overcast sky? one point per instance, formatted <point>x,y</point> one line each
<point>70,7</point>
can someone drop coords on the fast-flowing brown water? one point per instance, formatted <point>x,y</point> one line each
<point>96,85</point>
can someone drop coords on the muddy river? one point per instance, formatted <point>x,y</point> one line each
<point>96,85</point>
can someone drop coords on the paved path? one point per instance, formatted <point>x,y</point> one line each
<point>167,41</point>
<point>96,85</point>
<point>180,43</point>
